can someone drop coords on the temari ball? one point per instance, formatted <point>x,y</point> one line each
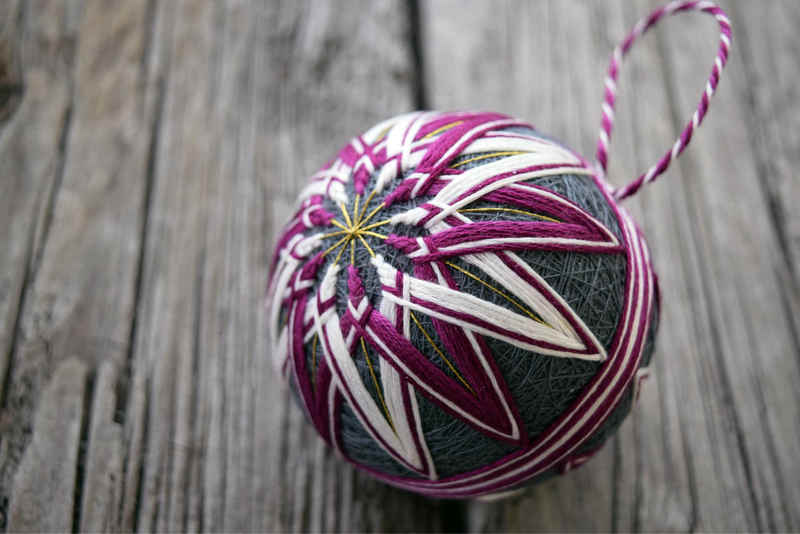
<point>460,305</point>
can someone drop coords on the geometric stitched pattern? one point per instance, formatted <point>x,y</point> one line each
<point>459,304</point>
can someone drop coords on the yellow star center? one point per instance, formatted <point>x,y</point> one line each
<point>353,228</point>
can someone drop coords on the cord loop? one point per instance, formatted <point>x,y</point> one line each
<point>609,102</point>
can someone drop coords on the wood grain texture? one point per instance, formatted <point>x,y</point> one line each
<point>31,157</point>
<point>45,480</point>
<point>10,61</point>
<point>153,148</point>
<point>78,301</point>
<point>184,130</point>
<point>712,442</point>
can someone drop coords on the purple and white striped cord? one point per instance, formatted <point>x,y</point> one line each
<point>607,121</point>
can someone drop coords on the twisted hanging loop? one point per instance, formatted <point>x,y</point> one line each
<point>607,122</point>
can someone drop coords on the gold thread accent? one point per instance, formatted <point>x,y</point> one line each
<point>346,215</point>
<point>484,156</point>
<point>443,128</point>
<point>355,210</point>
<point>373,212</point>
<point>340,225</point>
<point>354,229</point>
<point>439,352</point>
<point>332,234</point>
<point>377,387</point>
<point>371,253</point>
<point>373,234</point>
<point>375,225</point>
<point>499,292</point>
<point>339,255</point>
<point>333,247</point>
<point>510,210</point>
<point>366,203</point>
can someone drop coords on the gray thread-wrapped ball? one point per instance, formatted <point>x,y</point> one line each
<point>460,306</point>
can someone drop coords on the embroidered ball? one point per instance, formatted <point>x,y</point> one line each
<point>460,306</point>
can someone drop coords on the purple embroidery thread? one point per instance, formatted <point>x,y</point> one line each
<point>414,257</point>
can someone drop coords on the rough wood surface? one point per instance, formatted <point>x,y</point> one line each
<point>712,444</point>
<point>149,151</point>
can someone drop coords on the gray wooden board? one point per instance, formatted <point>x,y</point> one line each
<point>156,149</point>
<point>712,444</point>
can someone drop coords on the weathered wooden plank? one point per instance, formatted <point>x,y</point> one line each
<point>11,81</point>
<point>718,440</point>
<point>756,352</point>
<point>253,97</point>
<point>102,487</point>
<point>768,94</point>
<point>182,155</point>
<point>682,467</point>
<point>31,155</point>
<point>44,485</point>
<point>78,302</point>
<point>31,163</point>
<point>695,454</point>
